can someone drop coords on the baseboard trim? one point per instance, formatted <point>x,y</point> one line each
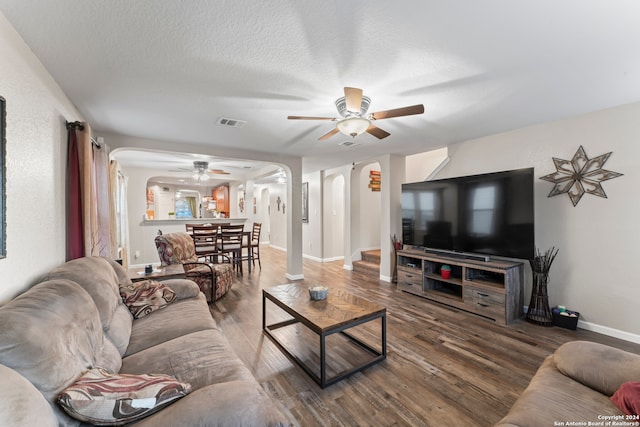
<point>316,259</point>
<point>604,330</point>
<point>385,278</point>
<point>294,276</point>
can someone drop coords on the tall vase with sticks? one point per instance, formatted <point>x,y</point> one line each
<point>396,245</point>
<point>539,311</point>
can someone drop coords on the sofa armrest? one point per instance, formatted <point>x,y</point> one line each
<point>183,288</point>
<point>597,366</point>
<point>21,403</point>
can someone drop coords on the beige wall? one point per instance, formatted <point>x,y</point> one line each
<point>37,111</point>
<point>594,272</point>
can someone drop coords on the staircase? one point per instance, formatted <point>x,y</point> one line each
<point>369,265</point>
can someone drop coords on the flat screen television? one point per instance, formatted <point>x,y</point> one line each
<point>488,214</point>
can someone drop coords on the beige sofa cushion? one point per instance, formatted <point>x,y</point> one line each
<point>179,318</point>
<point>219,380</point>
<point>101,279</point>
<point>51,334</point>
<point>21,404</point>
<point>597,366</point>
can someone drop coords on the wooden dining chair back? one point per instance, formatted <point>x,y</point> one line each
<point>189,227</point>
<point>230,244</point>
<point>254,245</point>
<point>205,237</point>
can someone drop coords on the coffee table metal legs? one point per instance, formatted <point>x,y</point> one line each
<point>322,380</point>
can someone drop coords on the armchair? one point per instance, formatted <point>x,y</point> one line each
<point>214,279</point>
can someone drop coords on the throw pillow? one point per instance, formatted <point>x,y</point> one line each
<point>107,399</point>
<point>146,296</point>
<point>627,398</point>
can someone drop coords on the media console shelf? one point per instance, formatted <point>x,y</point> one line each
<point>492,289</point>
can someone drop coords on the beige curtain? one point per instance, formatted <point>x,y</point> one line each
<point>97,200</point>
<point>193,206</point>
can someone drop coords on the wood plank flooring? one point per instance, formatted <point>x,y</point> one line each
<point>444,367</point>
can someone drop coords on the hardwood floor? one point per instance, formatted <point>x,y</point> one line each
<point>444,367</point>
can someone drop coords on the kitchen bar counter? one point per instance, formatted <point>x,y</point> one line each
<point>194,221</point>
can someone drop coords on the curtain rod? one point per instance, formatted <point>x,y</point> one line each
<point>80,126</point>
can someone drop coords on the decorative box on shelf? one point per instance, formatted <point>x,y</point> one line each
<point>565,318</point>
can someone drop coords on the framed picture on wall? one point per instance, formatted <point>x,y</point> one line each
<point>305,202</point>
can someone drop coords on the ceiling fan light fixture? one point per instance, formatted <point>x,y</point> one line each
<point>200,176</point>
<point>353,126</point>
<point>341,106</point>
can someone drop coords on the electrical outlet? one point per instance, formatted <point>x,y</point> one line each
<point>136,255</point>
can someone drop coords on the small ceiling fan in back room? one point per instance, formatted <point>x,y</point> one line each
<point>354,119</point>
<point>201,171</point>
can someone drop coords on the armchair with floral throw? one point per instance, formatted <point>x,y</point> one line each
<point>214,279</point>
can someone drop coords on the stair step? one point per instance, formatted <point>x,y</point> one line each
<point>367,268</point>
<point>372,256</point>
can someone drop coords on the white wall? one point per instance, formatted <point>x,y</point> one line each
<point>594,272</point>
<point>370,213</point>
<point>333,212</point>
<point>313,230</point>
<point>37,112</point>
<point>420,166</point>
<point>278,217</point>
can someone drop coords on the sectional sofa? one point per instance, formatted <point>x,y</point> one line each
<point>75,324</point>
<point>574,386</point>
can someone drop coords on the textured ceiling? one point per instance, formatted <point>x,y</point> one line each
<point>166,69</point>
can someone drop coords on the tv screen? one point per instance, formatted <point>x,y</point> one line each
<point>490,214</point>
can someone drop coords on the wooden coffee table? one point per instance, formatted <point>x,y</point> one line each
<point>173,271</point>
<point>339,312</point>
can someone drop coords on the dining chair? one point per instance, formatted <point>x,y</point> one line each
<point>230,244</point>
<point>254,244</point>
<point>189,227</point>
<point>205,239</point>
<point>213,279</point>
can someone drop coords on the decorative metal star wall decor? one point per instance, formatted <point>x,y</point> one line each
<point>580,175</point>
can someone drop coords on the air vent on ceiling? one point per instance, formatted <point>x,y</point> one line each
<point>225,121</point>
<point>348,143</point>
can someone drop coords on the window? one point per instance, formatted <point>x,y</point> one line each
<point>483,210</point>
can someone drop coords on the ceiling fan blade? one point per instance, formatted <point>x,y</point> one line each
<point>328,134</point>
<point>217,172</point>
<point>377,132</point>
<point>353,99</point>
<point>397,112</point>
<point>309,118</point>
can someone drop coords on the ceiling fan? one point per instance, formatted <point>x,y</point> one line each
<point>201,171</point>
<point>354,119</point>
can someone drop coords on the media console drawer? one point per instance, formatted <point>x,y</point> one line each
<point>483,295</point>
<point>486,303</point>
<point>411,277</point>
